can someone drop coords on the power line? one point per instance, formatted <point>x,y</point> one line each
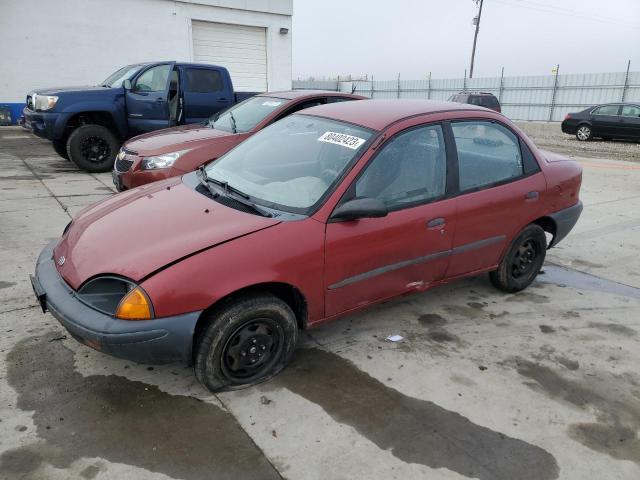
<point>528,4</point>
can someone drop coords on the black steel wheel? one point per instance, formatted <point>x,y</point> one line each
<point>246,341</point>
<point>522,262</point>
<point>524,259</point>
<point>251,349</point>
<point>93,148</point>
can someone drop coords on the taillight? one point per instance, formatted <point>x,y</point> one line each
<point>568,116</point>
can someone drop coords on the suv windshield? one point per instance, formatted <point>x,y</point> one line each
<point>292,164</point>
<point>115,79</point>
<point>246,115</point>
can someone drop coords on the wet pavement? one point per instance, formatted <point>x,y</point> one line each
<point>542,384</point>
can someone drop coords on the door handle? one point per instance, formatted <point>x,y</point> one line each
<point>435,222</point>
<point>159,100</point>
<point>222,100</point>
<point>531,196</point>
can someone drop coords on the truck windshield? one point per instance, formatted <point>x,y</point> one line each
<point>292,164</point>
<point>115,79</point>
<point>246,115</point>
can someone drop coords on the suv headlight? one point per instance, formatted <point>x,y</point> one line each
<point>44,102</point>
<point>161,161</point>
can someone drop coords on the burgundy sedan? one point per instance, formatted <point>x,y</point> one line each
<point>175,151</point>
<point>319,215</point>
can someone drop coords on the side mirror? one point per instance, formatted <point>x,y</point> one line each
<point>360,208</point>
<point>127,84</point>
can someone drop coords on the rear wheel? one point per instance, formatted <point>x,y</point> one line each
<point>583,133</point>
<point>523,261</point>
<point>93,148</point>
<point>244,343</point>
<point>60,146</point>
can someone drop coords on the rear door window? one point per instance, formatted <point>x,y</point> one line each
<point>488,154</point>
<point>607,110</point>
<point>631,111</point>
<point>200,80</point>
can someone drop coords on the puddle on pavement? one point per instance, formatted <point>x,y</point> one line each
<point>584,281</point>
<point>121,421</point>
<point>414,430</point>
<point>617,414</point>
<point>4,284</point>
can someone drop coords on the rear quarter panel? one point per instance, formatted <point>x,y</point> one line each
<point>564,178</point>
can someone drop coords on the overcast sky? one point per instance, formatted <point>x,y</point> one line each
<point>413,37</point>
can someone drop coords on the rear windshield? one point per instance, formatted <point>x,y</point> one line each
<point>484,101</point>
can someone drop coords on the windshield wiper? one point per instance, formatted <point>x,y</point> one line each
<point>233,122</point>
<point>239,196</point>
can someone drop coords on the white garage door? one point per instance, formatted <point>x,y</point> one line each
<point>239,48</point>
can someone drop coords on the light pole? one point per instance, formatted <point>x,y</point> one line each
<point>475,36</point>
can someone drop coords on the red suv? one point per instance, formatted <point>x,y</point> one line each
<point>318,215</point>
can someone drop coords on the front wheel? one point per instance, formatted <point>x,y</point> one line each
<point>246,342</point>
<point>583,133</point>
<point>523,261</point>
<point>93,148</point>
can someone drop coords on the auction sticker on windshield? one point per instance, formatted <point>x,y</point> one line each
<point>342,139</point>
<point>270,103</point>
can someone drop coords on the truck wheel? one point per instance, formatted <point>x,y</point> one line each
<point>93,148</point>
<point>523,261</point>
<point>60,146</point>
<point>244,343</point>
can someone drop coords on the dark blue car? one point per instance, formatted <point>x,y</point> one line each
<point>88,124</point>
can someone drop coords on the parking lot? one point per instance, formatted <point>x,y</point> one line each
<point>537,385</point>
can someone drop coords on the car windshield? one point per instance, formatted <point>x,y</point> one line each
<point>292,164</point>
<point>246,115</point>
<point>115,79</point>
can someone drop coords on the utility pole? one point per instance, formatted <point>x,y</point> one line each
<point>476,20</point>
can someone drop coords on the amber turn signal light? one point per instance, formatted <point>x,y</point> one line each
<point>134,306</point>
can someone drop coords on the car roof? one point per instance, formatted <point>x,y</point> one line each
<point>378,114</point>
<point>298,94</point>
<point>486,94</point>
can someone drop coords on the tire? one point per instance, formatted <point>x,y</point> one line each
<point>584,133</point>
<point>93,148</point>
<point>60,146</point>
<point>523,261</point>
<point>259,328</point>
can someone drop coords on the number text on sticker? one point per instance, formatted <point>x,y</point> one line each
<point>348,141</point>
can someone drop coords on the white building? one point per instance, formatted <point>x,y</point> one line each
<point>80,42</point>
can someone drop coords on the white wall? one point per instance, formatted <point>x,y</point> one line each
<point>80,42</point>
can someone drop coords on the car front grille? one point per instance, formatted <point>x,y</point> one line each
<point>123,165</point>
<point>124,159</point>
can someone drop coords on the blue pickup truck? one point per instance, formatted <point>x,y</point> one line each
<point>88,124</point>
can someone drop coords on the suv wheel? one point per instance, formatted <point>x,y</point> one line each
<point>583,133</point>
<point>93,148</point>
<point>245,342</point>
<point>60,146</point>
<point>523,261</point>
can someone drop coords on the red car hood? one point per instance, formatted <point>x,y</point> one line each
<point>137,232</point>
<point>173,139</point>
